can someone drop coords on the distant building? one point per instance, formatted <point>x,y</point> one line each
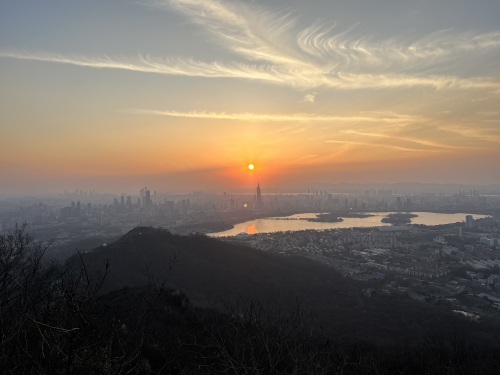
<point>65,213</point>
<point>259,197</point>
<point>469,221</point>
<point>440,239</point>
<point>408,204</point>
<point>490,242</point>
<point>146,197</point>
<point>399,204</point>
<point>496,215</point>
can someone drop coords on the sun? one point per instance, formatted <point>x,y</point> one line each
<point>251,167</point>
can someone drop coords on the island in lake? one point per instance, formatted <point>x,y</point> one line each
<point>355,215</point>
<point>326,218</point>
<point>337,217</point>
<point>398,218</point>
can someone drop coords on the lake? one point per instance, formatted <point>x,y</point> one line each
<point>294,222</point>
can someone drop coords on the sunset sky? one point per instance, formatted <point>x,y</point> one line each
<point>184,94</point>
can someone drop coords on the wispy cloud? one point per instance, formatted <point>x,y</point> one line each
<point>393,137</point>
<point>270,73</point>
<point>400,148</point>
<point>271,47</point>
<point>147,64</point>
<point>342,48</point>
<point>481,136</point>
<point>311,97</point>
<point>253,33</point>
<point>381,117</point>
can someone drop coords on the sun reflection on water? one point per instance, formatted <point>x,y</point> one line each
<point>252,229</point>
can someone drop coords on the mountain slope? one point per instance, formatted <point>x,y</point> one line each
<point>214,273</point>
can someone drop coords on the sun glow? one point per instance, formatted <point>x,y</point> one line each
<point>251,167</point>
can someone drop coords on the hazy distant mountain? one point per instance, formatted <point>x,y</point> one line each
<point>62,252</point>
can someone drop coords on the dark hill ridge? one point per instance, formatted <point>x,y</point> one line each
<point>214,273</point>
<point>208,270</point>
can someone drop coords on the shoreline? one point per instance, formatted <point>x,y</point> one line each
<point>229,220</point>
<point>372,213</point>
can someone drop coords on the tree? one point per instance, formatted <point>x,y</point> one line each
<point>52,318</point>
<point>24,279</point>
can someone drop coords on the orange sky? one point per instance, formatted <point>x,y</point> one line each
<point>198,89</point>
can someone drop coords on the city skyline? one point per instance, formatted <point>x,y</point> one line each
<point>185,94</point>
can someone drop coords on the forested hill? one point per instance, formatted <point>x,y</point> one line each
<point>208,270</point>
<point>213,273</point>
<point>250,312</point>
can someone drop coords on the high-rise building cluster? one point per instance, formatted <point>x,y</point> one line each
<point>146,197</point>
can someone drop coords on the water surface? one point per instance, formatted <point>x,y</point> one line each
<point>293,222</point>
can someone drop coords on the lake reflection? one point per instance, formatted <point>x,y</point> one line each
<point>298,222</point>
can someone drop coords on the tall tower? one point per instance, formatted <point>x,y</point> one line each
<point>259,196</point>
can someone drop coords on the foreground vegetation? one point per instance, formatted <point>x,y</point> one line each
<point>58,319</point>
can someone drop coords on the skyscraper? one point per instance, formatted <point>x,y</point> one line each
<point>259,196</point>
<point>146,197</point>
<point>469,221</point>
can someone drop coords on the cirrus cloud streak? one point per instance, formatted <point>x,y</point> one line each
<point>272,74</point>
<point>270,47</point>
<point>298,117</point>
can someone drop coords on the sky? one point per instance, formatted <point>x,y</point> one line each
<point>185,94</point>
